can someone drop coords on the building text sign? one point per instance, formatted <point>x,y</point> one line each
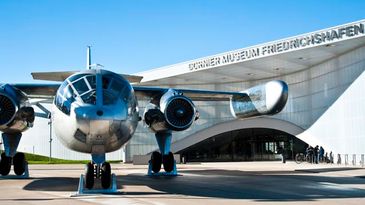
<point>322,37</point>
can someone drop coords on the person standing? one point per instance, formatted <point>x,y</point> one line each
<point>316,152</point>
<point>321,154</point>
<point>282,151</point>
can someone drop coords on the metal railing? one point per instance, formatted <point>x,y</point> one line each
<point>351,159</point>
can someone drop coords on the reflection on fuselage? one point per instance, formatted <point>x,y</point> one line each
<point>95,111</point>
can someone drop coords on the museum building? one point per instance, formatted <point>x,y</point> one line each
<point>324,71</point>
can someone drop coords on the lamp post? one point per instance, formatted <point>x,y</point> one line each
<point>50,138</point>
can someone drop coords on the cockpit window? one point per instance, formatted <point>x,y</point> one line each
<point>82,88</point>
<point>116,86</point>
<point>89,97</point>
<point>64,98</point>
<point>92,81</point>
<point>106,82</point>
<point>68,92</point>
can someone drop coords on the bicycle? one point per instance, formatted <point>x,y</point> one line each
<point>299,158</point>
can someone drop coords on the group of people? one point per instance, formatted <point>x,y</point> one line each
<point>317,154</point>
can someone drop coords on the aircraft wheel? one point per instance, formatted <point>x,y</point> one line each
<point>5,164</point>
<point>156,160</point>
<point>168,162</point>
<point>105,175</point>
<point>19,163</point>
<point>89,175</point>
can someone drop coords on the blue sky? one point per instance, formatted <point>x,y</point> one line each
<point>138,35</point>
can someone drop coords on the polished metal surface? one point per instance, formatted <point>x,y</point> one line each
<point>96,111</point>
<point>172,111</point>
<point>267,99</point>
<point>61,76</point>
<point>99,110</point>
<point>15,109</point>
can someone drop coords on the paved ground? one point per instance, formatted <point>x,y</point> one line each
<point>206,183</point>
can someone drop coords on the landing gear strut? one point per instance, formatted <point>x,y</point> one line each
<point>105,175</point>
<point>156,160</point>
<point>89,175</point>
<point>102,172</point>
<point>164,157</point>
<point>168,161</point>
<point>5,164</point>
<point>19,163</point>
<point>97,169</point>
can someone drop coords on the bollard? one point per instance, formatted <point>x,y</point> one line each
<point>354,160</point>
<point>339,159</point>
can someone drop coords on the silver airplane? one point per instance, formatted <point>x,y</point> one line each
<point>96,111</point>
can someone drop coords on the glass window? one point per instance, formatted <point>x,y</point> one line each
<point>106,82</point>
<point>62,88</point>
<point>76,77</point>
<point>89,97</point>
<point>108,97</point>
<point>92,81</point>
<point>68,92</point>
<point>116,86</point>
<point>80,86</point>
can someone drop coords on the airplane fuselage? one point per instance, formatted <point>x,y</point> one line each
<point>95,112</point>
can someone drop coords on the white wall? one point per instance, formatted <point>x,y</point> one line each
<point>311,92</point>
<point>342,127</point>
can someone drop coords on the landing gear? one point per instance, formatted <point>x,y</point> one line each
<point>164,157</point>
<point>11,142</point>
<point>5,164</point>
<point>89,175</point>
<point>93,171</point>
<point>19,163</point>
<point>101,171</point>
<point>168,161</point>
<point>156,160</point>
<point>105,175</point>
<point>20,166</point>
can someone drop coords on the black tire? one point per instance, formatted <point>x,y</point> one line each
<point>106,175</point>
<point>156,161</point>
<point>168,162</point>
<point>19,163</point>
<point>89,175</point>
<point>299,158</point>
<point>5,164</point>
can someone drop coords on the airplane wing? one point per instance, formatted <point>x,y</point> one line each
<point>61,76</point>
<point>195,95</point>
<point>38,90</point>
<point>267,99</point>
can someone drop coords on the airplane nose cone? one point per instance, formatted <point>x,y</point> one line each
<point>101,113</point>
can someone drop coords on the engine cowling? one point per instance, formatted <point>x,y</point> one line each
<point>16,114</point>
<point>267,99</point>
<point>175,112</point>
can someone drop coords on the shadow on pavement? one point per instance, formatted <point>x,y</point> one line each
<point>332,169</point>
<point>260,186</point>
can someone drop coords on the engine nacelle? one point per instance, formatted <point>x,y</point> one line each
<point>16,114</point>
<point>175,112</point>
<point>267,99</point>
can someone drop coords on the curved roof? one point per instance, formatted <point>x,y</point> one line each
<point>260,122</point>
<point>262,61</point>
